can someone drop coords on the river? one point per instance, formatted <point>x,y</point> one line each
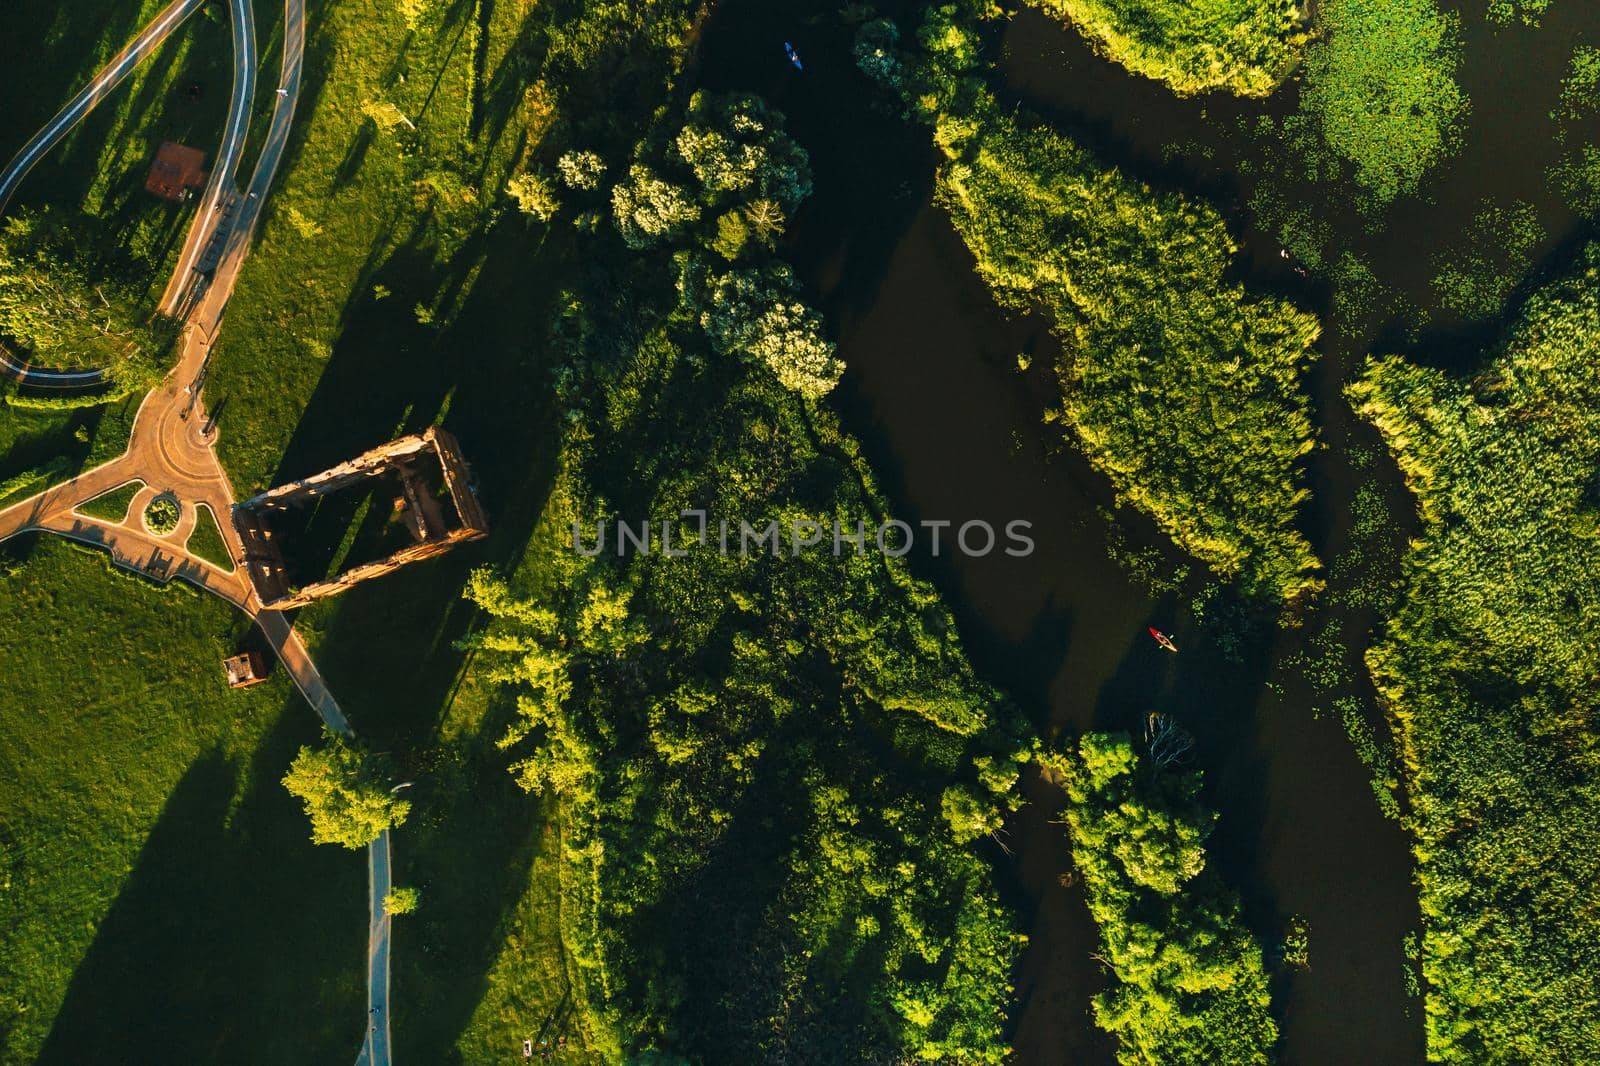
<point>956,431</point>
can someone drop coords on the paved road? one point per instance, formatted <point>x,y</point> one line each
<point>221,191</point>
<point>375,1051</point>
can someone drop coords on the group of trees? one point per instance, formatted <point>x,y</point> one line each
<point>719,189</point>
<point>1489,676</point>
<point>1190,985</point>
<point>69,300</point>
<point>750,756</point>
<point>1179,385</point>
<point>1239,46</point>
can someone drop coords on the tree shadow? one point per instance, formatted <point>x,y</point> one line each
<point>234,938</point>
<point>472,853</point>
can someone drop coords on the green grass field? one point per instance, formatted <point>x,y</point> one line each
<point>324,354</point>
<point>162,901</point>
<point>85,438</point>
<point>112,506</point>
<point>206,540</point>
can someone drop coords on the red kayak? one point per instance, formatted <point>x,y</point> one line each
<point>1162,639</point>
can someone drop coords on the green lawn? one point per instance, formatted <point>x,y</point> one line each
<point>112,506</point>
<point>161,899</point>
<point>323,356</point>
<point>206,540</point>
<point>86,437</point>
<point>316,359</point>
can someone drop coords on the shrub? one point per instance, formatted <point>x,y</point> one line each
<point>162,514</point>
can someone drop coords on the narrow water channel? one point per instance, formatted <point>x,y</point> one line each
<point>956,431</point>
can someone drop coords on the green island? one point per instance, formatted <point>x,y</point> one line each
<point>1182,388</point>
<point>1490,683</point>
<point>1191,987</point>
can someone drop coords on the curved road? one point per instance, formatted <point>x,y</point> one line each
<point>121,65</point>
<point>168,449</point>
<point>219,194</point>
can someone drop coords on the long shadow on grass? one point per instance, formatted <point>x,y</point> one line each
<point>234,939</point>
<point>471,852</point>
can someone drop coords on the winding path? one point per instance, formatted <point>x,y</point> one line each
<point>168,449</point>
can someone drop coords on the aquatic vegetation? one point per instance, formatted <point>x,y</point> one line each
<point>1580,89</point>
<point>1488,673</point>
<point>1527,12</point>
<point>1473,281</point>
<point>1239,46</point>
<point>1381,90</point>
<point>1577,176</point>
<point>1183,389</point>
<point>1190,984</point>
<point>1297,943</point>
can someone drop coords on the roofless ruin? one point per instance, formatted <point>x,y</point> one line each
<point>409,500</point>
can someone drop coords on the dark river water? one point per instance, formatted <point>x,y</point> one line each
<point>956,431</point>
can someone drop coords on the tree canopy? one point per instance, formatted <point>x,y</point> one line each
<point>346,793</point>
<point>1182,387</point>
<point>1190,985</point>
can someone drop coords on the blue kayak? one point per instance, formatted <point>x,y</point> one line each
<point>794,57</point>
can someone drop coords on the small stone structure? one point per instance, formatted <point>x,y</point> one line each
<point>246,669</point>
<point>435,505</point>
<point>178,170</point>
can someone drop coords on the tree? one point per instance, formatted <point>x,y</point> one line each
<point>733,233</point>
<point>877,52</point>
<point>535,196</point>
<point>969,815</point>
<point>766,218</point>
<point>581,170</point>
<point>758,313</point>
<point>401,900</point>
<point>649,209</point>
<point>736,148</point>
<point>345,794</point>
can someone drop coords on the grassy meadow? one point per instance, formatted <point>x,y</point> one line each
<point>160,901</point>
